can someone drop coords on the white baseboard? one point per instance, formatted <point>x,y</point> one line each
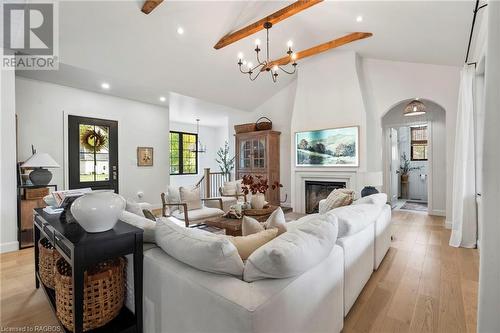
<point>9,247</point>
<point>448,224</point>
<point>437,212</point>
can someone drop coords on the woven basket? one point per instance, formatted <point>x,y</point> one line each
<point>262,125</point>
<point>48,256</point>
<point>103,293</point>
<point>245,128</point>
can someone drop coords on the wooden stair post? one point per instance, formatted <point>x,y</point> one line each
<point>207,182</point>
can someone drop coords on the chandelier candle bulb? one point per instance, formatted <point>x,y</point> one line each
<point>257,42</point>
<point>289,44</point>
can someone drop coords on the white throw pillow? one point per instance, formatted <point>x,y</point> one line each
<point>293,252</point>
<point>134,208</point>
<point>191,196</point>
<point>230,188</point>
<point>198,248</point>
<point>173,197</point>
<point>277,220</point>
<point>141,222</point>
<point>246,245</point>
<point>378,199</point>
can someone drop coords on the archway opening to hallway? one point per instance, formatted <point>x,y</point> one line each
<point>414,152</point>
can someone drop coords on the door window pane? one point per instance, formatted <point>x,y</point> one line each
<point>94,153</point>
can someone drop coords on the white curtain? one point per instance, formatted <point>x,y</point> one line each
<point>464,214</point>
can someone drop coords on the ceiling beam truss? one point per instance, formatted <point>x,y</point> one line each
<point>274,18</point>
<point>150,5</point>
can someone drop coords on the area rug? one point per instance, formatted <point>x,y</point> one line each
<point>415,205</point>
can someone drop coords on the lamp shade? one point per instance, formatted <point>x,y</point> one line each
<point>40,160</point>
<point>414,108</point>
<point>372,178</point>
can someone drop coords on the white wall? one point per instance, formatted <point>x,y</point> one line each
<point>211,137</point>
<point>8,198</point>
<point>43,107</point>
<point>389,82</point>
<point>489,269</point>
<point>279,109</point>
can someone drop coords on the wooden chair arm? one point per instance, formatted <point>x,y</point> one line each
<point>214,199</point>
<point>165,204</point>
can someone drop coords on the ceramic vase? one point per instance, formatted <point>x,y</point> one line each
<point>98,211</point>
<point>258,201</point>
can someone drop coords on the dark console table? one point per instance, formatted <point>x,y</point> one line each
<point>81,250</point>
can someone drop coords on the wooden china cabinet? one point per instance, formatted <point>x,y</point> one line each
<point>258,153</point>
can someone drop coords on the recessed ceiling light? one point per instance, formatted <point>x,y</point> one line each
<point>162,99</point>
<point>359,18</point>
<point>105,85</point>
<point>180,30</point>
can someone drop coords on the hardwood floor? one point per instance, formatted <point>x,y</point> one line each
<point>423,285</point>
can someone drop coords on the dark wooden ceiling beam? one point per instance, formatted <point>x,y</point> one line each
<point>274,18</point>
<point>150,5</point>
<point>319,48</point>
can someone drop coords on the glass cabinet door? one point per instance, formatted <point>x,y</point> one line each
<point>245,154</point>
<point>259,153</point>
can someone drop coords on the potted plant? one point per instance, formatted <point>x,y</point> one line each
<point>226,163</point>
<point>258,186</point>
<point>405,168</point>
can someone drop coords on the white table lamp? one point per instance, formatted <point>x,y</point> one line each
<point>40,176</point>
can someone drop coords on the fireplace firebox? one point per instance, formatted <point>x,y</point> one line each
<point>318,190</point>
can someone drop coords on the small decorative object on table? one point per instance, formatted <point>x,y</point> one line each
<point>144,156</point>
<point>98,211</point>
<point>257,185</point>
<point>370,180</point>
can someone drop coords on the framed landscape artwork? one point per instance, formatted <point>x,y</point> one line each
<point>335,147</point>
<point>144,156</point>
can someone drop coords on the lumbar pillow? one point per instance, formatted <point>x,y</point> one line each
<point>337,198</point>
<point>191,196</point>
<point>198,248</point>
<point>295,251</point>
<point>378,199</point>
<point>134,208</point>
<point>246,245</point>
<point>142,223</point>
<point>276,220</point>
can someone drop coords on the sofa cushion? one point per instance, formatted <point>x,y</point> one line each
<point>378,199</point>
<point>191,197</point>
<point>249,225</point>
<point>246,245</point>
<point>354,218</point>
<point>140,222</point>
<point>199,249</point>
<point>198,214</point>
<point>295,251</point>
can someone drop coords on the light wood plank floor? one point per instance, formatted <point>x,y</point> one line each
<point>423,285</point>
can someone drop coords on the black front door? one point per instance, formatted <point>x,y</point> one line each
<point>93,153</point>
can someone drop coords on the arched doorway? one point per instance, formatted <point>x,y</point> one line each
<point>420,142</point>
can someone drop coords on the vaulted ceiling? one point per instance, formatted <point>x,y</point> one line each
<point>115,41</point>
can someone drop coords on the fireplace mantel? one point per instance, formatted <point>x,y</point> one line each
<point>301,176</point>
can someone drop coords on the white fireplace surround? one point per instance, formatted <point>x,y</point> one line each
<point>301,176</point>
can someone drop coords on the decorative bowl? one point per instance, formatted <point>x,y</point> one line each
<point>98,211</point>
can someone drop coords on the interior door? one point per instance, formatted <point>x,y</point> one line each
<point>394,166</point>
<point>93,153</point>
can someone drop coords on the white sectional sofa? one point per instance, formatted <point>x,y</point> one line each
<point>181,298</point>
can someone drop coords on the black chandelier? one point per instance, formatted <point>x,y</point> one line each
<point>254,71</point>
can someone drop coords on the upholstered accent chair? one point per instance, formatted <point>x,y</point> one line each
<point>174,207</point>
